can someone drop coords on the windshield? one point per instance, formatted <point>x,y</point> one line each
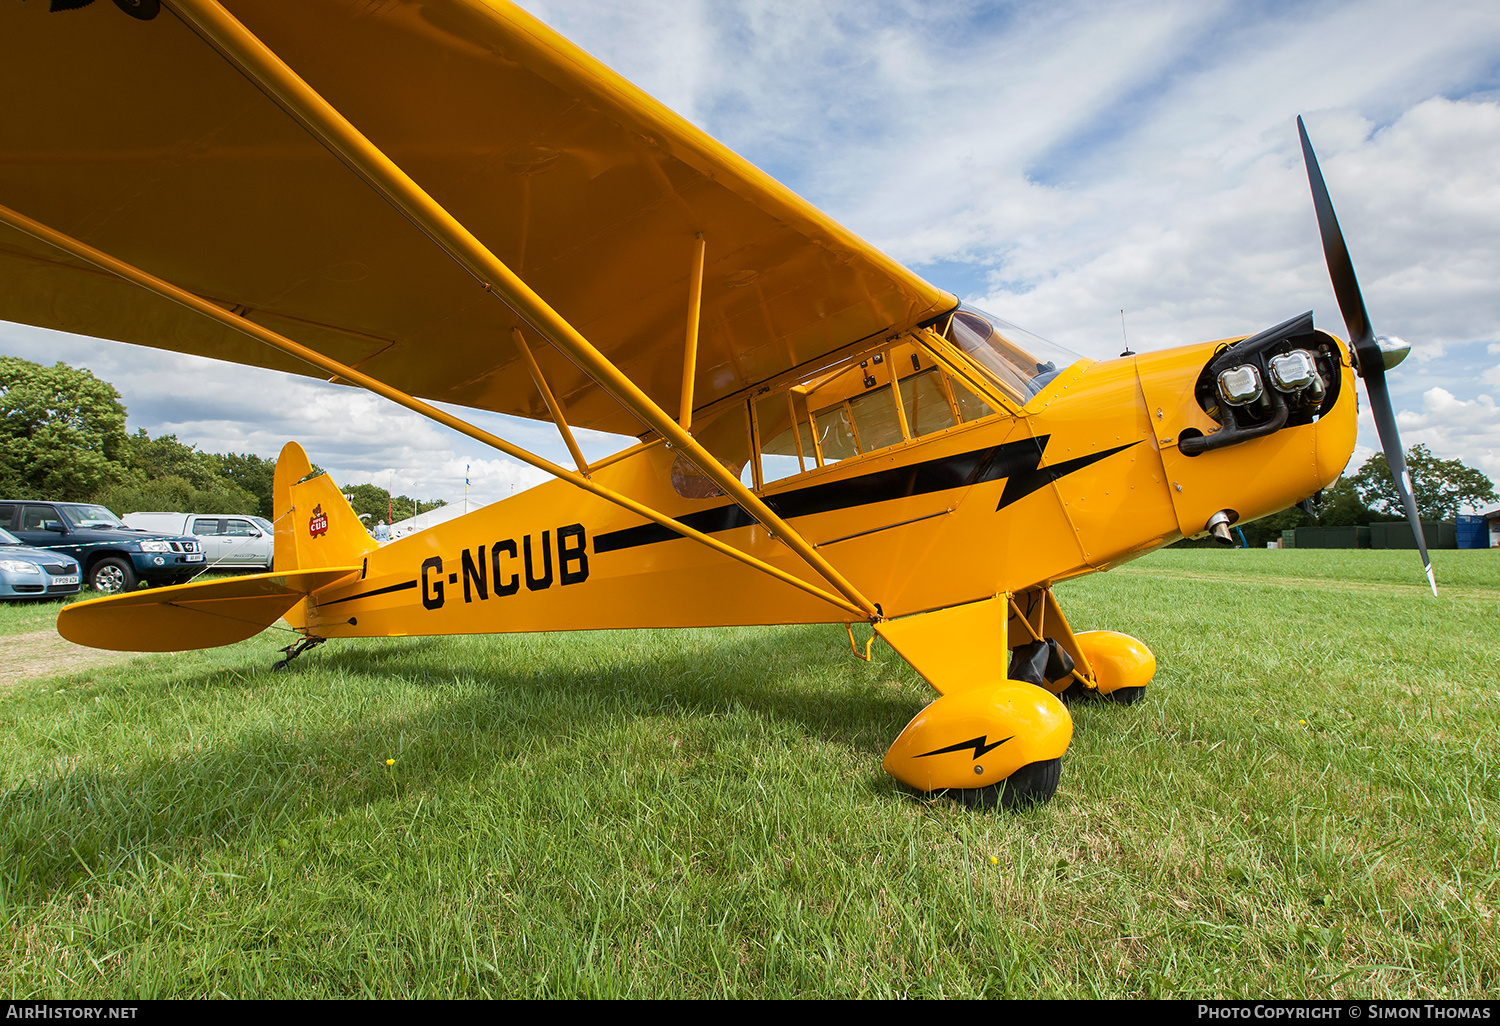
<point>1022,362</point>
<point>91,516</point>
<point>6,538</point>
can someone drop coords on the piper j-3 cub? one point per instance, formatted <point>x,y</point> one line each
<point>446,201</point>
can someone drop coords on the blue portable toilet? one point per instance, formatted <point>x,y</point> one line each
<point>1473,532</point>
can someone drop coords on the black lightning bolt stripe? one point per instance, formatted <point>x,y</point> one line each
<point>975,744</point>
<point>1023,484</point>
<point>1017,461</point>
<point>368,594</point>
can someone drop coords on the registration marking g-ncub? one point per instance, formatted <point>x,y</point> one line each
<point>483,572</point>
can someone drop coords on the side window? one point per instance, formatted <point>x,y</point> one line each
<point>239,528</point>
<point>786,440</point>
<point>727,438</point>
<point>868,403</point>
<point>204,527</point>
<point>928,398</point>
<point>883,399</point>
<point>8,516</point>
<point>36,518</point>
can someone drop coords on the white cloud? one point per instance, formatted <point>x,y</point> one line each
<point>1448,425</point>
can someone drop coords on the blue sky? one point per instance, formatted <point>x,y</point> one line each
<point>1051,162</point>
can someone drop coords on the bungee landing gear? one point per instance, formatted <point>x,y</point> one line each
<point>996,735</point>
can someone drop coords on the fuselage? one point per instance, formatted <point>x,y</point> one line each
<point>1085,474</point>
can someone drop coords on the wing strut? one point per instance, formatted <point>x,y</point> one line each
<point>166,290</point>
<point>695,313</point>
<point>553,406</point>
<point>242,48</point>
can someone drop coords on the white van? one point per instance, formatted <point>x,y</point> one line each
<point>229,539</point>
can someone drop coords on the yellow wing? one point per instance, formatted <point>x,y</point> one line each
<point>139,138</point>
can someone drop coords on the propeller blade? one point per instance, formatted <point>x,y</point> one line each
<point>1367,352</point>
<point>1340,267</point>
<point>1390,444</point>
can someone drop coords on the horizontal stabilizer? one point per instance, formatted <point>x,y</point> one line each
<point>203,615</point>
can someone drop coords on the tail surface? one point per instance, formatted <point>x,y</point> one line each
<point>202,615</point>
<point>319,540</point>
<point>315,525</point>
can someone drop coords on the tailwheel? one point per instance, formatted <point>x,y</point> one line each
<point>1031,785</point>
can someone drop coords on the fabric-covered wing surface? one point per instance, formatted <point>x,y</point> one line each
<point>138,138</point>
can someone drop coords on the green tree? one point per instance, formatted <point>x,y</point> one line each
<point>254,475</point>
<point>1341,506</point>
<point>374,503</point>
<point>1441,487</point>
<point>166,475</point>
<point>62,431</point>
<point>164,456</point>
<point>138,494</point>
<point>369,502</point>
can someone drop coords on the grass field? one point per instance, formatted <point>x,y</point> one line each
<point>1304,805</point>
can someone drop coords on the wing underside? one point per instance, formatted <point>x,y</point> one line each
<point>140,139</point>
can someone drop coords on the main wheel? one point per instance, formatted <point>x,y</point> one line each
<point>1076,692</point>
<point>112,576</point>
<point>1030,785</point>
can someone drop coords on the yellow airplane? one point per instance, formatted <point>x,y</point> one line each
<point>446,201</point>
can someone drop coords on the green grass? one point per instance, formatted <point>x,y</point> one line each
<point>23,617</point>
<point>1306,804</point>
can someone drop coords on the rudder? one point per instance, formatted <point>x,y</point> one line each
<point>315,525</point>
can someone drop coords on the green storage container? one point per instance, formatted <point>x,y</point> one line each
<point>1397,535</point>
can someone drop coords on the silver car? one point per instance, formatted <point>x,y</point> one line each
<point>27,573</point>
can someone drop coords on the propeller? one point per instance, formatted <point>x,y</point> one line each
<point>1372,354</point>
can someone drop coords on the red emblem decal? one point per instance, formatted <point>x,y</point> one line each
<point>319,522</point>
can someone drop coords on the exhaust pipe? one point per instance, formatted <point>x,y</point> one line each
<point>1218,526</point>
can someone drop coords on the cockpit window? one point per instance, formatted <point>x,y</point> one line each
<point>908,387</point>
<point>1016,359</point>
<point>886,398</point>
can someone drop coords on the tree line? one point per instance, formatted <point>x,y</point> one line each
<point>63,437</point>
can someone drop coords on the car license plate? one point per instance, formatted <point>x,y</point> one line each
<point>65,580</point>
<point>194,557</point>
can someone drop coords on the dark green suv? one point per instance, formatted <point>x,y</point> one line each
<point>114,557</point>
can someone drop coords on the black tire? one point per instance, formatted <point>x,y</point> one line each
<point>112,576</point>
<point>1076,692</point>
<point>1032,784</point>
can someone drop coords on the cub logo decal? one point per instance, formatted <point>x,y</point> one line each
<point>319,522</point>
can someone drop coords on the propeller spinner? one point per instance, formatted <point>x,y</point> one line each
<point>1372,354</point>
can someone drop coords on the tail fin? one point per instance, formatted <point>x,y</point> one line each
<point>315,526</point>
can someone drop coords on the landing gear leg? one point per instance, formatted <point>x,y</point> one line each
<point>293,651</point>
<point>1089,666</point>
